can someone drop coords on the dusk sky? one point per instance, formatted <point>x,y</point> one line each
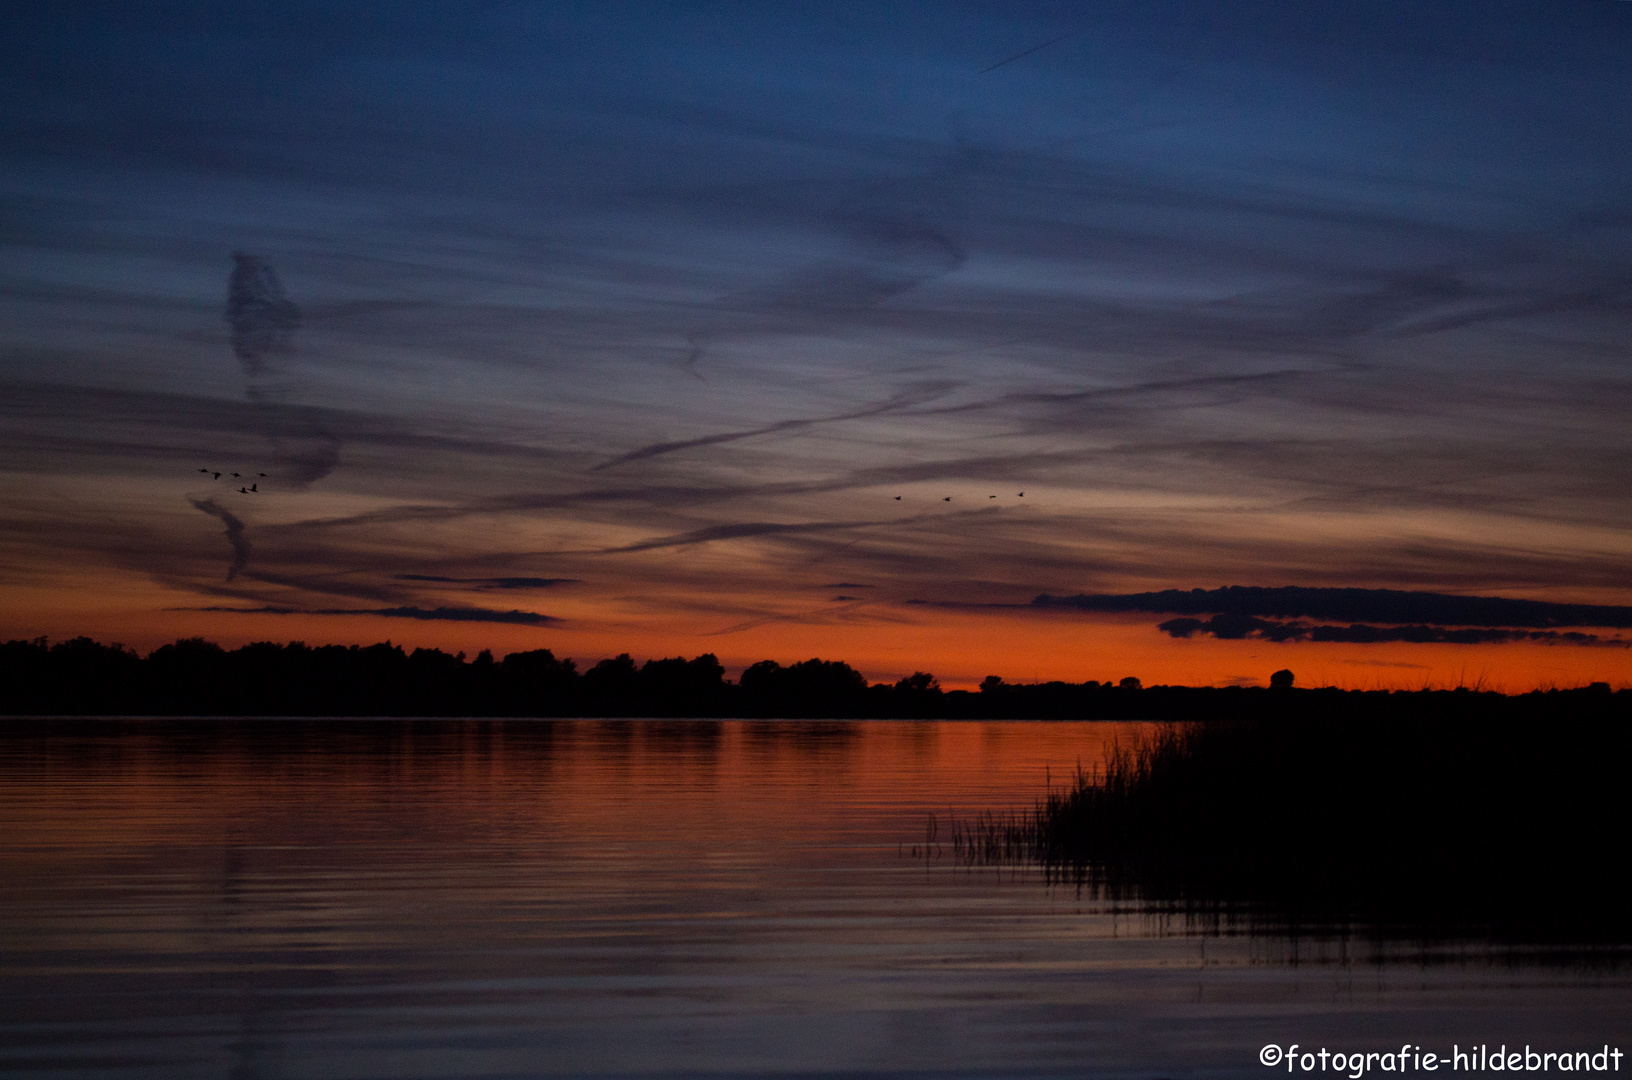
<point>670,329</point>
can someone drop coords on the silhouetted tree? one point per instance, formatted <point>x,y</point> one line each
<point>810,688</point>
<point>611,687</point>
<point>681,687</point>
<point>916,695</point>
<point>537,684</point>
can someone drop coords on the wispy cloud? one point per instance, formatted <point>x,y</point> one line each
<point>262,318</point>
<point>737,531</point>
<point>235,533</point>
<point>895,404</point>
<point>263,321</point>
<point>492,582</point>
<point>455,614</point>
<point>440,614</point>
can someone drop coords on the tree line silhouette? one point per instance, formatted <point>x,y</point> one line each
<point>195,677</point>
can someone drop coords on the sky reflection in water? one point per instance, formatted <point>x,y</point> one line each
<point>479,898</point>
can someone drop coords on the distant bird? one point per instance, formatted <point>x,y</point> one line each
<point>243,491</point>
<point>1022,495</point>
<point>261,474</point>
<point>991,496</point>
<point>237,474</point>
<point>254,488</point>
<point>947,499</point>
<point>203,470</point>
<point>898,498</point>
<point>218,476</point>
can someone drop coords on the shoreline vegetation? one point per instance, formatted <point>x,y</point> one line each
<point>1393,829</point>
<point>194,677</point>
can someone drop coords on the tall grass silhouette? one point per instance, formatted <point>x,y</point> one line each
<point>1503,829</point>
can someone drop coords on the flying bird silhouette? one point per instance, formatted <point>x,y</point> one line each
<point>254,488</point>
<point>947,499</point>
<point>243,491</point>
<point>217,476</point>
<point>898,498</point>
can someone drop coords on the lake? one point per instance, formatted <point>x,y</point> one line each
<point>623,898</point>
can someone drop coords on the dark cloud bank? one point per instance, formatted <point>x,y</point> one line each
<point>1276,614</point>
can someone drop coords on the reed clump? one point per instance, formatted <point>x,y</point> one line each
<point>1499,828</point>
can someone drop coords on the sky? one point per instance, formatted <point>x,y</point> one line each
<point>778,331</point>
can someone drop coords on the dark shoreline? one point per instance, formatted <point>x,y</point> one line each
<point>81,677</point>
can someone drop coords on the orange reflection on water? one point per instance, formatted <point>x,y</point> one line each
<point>668,785</point>
<point>200,839</point>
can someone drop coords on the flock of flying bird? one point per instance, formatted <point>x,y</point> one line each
<point>253,489</point>
<point>947,498</point>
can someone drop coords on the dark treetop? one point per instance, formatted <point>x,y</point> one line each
<point>197,677</point>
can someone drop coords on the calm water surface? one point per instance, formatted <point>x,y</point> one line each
<point>641,898</point>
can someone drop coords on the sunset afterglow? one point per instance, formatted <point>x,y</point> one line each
<point>620,330</point>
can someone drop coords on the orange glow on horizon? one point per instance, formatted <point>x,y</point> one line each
<point>885,641</point>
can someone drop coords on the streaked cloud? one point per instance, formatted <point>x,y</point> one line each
<point>1239,627</point>
<point>234,533</point>
<point>441,614</point>
<point>492,582</point>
